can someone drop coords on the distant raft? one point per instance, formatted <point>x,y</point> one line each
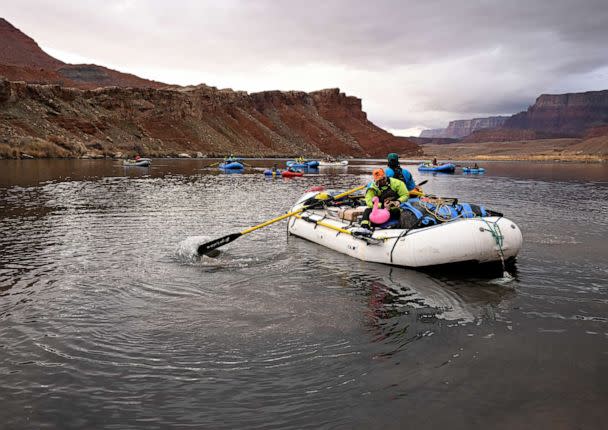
<point>140,162</point>
<point>290,174</point>
<point>342,163</point>
<point>269,172</point>
<point>311,164</point>
<point>473,170</point>
<point>233,165</point>
<point>445,168</point>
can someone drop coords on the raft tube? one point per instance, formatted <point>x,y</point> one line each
<point>446,168</point>
<point>142,162</point>
<point>464,240</point>
<point>472,170</point>
<point>234,165</point>
<point>312,164</point>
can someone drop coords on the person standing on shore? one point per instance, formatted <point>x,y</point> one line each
<point>394,170</point>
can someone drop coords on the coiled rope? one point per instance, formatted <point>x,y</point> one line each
<point>494,230</point>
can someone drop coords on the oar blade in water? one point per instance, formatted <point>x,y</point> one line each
<point>207,248</point>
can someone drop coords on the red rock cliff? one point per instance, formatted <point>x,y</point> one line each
<point>72,122</point>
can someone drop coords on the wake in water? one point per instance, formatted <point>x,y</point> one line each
<point>186,252</point>
<point>504,281</point>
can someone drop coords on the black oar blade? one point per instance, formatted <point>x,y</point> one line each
<point>206,248</point>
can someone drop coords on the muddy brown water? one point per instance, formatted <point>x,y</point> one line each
<point>108,320</point>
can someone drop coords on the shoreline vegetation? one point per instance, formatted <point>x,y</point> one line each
<point>570,149</point>
<point>561,150</point>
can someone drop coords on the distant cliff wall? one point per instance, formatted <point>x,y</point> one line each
<point>432,133</point>
<point>460,128</point>
<point>567,114</point>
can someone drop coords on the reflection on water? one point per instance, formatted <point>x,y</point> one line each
<point>105,307</point>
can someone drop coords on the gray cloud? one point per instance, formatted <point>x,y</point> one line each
<point>413,63</point>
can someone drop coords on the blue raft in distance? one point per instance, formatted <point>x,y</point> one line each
<point>307,164</point>
<point>445,168</point>
<point>234,165</point>
<point>472,170</point>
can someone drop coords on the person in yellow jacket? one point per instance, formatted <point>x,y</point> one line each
<point>391,192</point>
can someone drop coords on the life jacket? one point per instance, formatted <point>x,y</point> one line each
<point>398,173</point>
<point>386,191</point>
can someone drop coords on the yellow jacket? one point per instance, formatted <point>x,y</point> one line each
<point>394,184</point>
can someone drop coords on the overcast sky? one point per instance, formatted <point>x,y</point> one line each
<point>416,64</point>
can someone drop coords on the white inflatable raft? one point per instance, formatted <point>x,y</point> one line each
<point>142,162</point>
<point>342,163</point>
<point>481,240</point>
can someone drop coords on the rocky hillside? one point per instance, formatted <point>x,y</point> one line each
<point>433,140</point>
<point>52,120</point>
<point>461,128</point>
<point>508,135</point>
<point>567,114</point>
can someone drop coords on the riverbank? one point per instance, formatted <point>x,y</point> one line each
<point>568,149</point>
<point>571,149</point>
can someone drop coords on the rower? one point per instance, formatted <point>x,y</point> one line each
<point>391,192</point>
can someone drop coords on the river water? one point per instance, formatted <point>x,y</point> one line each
<point>108,320</point>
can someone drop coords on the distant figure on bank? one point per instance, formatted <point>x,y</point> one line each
<point>394,170</point>
<point>391,192</point>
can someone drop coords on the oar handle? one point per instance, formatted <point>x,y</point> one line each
<point>272,221</point>
<point>346,193</point>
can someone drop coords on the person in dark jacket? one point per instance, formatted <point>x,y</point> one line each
<point>394,170</point>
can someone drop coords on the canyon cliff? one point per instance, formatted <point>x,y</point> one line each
<point>49,108</point>
<point>551,116</point>
<point>567,114</point>
<point>52,120</point>
<point>460,128</point>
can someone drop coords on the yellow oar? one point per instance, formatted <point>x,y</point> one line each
<point>418,193</point>
<point>206,248</point>
<point>326,224</point>
<point>358,235</point>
